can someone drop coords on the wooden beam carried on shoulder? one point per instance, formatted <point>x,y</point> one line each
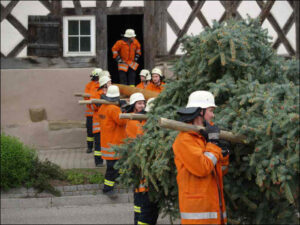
<point>181,126</point>
<point>133,116</point>
<point>128,90</point>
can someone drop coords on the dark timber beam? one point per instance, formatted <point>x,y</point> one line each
<point>7,10</point>
<point>101,37</point>
<point>17,49</point>
<point>186,26</point>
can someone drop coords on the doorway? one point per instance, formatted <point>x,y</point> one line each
<point>116,26</point>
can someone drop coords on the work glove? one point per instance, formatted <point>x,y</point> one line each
<point>118,59</point>
<point>213,133</point>
<point>225,146</point>
<point>136,58</point>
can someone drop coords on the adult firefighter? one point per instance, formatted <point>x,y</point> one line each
<point>89,88</point>
<point>112,133</point>
<point>145,211</point>
<point>127,52</point>
<point>145,79</point>
<point>156,83</point>
<point>104,83</point>
<point>199,159</point>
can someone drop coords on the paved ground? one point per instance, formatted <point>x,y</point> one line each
<point>69,158</point>
<point>95,214</point>
<point>84,209</point>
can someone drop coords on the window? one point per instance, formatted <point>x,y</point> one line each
<point>79,35</point>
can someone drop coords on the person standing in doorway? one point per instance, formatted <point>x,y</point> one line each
<point>127,52</point>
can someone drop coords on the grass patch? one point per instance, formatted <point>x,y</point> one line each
<point>84,176</point>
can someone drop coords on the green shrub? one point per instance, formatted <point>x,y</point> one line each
<point>20,166</point>
<point>96,178</point>
<point>16,162</point>
<point>82,176</point>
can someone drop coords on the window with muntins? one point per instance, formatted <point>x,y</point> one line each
<point>79,35</point>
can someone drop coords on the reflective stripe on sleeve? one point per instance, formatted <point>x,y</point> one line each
<point>115,52</point>
<point>138,51</point>
<point>96,128</point>
<point>89,138</point>
<point>104,149</point>
<point>199,216</point>
<point>89,113</point>
<point>109,183</point>
<point>211,157</point>
<point>224,214</point>
<point>95,124</point>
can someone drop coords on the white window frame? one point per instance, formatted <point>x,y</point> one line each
<point>66,39</point>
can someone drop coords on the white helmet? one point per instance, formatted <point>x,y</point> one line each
<point>104,73</point>
<point>157,71</point>
<point>96,72</point>
<point>144,72</point>
<point>129,33</point>
<point>202,99</point>
<point>113,91</point>
<point>149,104</point>
<point>136,97</point>
<point>103,80</point>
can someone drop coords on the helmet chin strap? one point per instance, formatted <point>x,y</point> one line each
<point>202,114</point>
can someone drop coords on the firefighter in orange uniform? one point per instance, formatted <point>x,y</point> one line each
<point>104,83</point>
<point>89,88</point>
<point>156,83</point>
<point>145,79</point>
<point>145,211</point>
<point>201,162</point>
<point>112,133</point>
<point>127,52</point>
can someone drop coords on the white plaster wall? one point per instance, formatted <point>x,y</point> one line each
<point>52,89</point>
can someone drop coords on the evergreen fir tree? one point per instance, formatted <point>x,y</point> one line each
<point>257,92</point>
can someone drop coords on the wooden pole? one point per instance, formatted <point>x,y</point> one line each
<point>127,91</point>
<point>97,101</point>
<point>82,95</point>
<point>176,125</point>
<point>133,116</point>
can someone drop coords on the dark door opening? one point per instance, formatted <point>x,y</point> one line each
<point>116,26</point>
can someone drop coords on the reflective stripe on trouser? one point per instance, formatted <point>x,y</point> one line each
<point>89,130</point>
<point>137,206</point>
<point>97,152</point>
<point>110,175</point>
<point>149,210</point>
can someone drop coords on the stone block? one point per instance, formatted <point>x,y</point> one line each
<point>70,188</point>
<point>37,114</point>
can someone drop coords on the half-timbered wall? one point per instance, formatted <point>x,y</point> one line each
<point>165,22</point>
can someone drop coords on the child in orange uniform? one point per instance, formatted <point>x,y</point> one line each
<point>145,79</point>
<point>156,83</point>
<point>89,88</point>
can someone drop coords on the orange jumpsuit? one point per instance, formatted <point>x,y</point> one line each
<point>89,88</point>
<point>200,179</point>
<point>153,87</point>
<point>127,53</point>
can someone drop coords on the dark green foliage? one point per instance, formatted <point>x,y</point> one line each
<point>16,161</point>
<point>257,92</point>
<point>20,167</point>
<point>82,176</point>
